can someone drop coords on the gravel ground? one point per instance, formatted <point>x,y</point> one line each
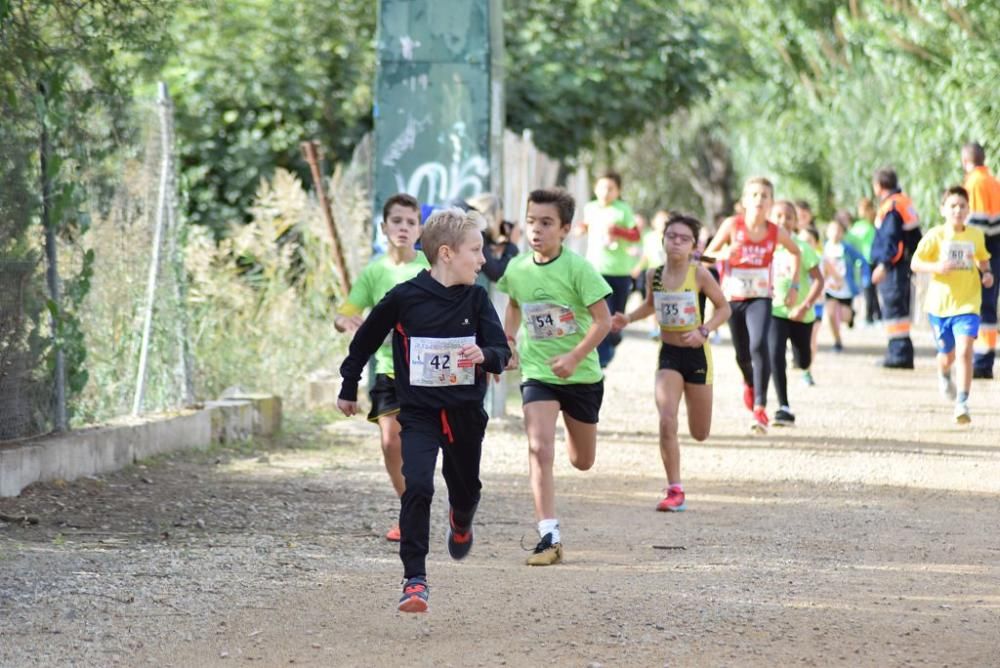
<point>864,536</point>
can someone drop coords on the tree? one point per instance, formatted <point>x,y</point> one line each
<point>583,73</point>
<point>253,78</point>
<point>69,68</point>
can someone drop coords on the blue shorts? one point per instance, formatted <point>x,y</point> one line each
<point>948,327</point>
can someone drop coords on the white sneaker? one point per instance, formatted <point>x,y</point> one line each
<point>947,387</point>
<point>962,413</point>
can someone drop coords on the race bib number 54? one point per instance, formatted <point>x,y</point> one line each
<point>436,362</point>
<point>549,321</point>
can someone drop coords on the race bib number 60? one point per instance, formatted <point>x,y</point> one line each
<point>959,252</point>
<point>548,321</point>
<point>436,362</point>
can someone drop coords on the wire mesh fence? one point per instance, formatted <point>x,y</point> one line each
<point>134,320</point>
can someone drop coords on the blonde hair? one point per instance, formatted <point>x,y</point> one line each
<point>447,227</point>
<point>759,181</point>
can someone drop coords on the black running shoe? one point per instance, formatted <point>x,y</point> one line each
<point>459,540</point>
<point>783,418</point>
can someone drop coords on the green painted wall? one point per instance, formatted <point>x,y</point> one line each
<point>438,100</point>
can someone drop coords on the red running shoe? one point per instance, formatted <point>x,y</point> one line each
<point>414,597</point>
<point>673,502</point>
<point>748,396</point>
<point>392,535</point>
<point>760,421</point>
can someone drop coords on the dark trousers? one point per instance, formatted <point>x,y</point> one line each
<point>621,286</point>
<point>782,331</point>
<point>872,310</point>
<point>894,291</point>
<point>982,362</point>
<point>458,432</point>
<point>748,326</point>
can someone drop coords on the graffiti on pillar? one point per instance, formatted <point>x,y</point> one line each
<point>434,101</point>
<point>432,181</point>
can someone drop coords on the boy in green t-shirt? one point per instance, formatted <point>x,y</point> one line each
<point>612,237</point>
<point>401,262</point>
<point>956,257</point>
<point>794,324</point>
<point>557,315</point>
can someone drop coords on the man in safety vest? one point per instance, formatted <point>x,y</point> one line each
<point>897,233</point>
<point>984,213</point>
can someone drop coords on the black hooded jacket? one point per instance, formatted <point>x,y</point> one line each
<point>422,307</point>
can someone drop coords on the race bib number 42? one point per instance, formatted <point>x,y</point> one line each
<point>549,321</point>
<point>676,309</point>
<point>747,283</point>
<point>436,363</point>
<point>959,252</point>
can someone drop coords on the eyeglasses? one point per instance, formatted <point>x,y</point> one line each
<point>683,238</point>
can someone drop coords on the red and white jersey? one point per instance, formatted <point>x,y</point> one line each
<point>746,273</point>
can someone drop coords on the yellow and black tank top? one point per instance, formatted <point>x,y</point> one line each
<point>677,310</point>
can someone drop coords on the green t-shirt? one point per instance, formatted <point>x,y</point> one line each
<point>782,264</point>
<point>380,276</point>
<point>862,236</point>
<point>611,256</point>
<point>554,316</point>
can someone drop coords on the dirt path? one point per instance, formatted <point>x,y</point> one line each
<point>865,536</point>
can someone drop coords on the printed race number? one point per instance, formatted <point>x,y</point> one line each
<point>549,321</point>
<point>436,362</point>
<point>747,283</point>
<point>676,309</point>
<point>959,252</point>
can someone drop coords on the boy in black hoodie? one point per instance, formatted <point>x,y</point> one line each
<point>446,336</point>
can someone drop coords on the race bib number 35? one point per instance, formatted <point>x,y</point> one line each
<point>959,252</point>
<point>549,321</point>
<point>747,283</point>
<point>436,362</point>
<point>676,309</point>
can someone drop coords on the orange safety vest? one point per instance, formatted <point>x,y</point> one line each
<point>904,207</point>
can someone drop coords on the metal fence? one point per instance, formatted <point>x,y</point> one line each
<point>132,318</point>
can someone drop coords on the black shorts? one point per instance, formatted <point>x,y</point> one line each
<point>580,401</point>
<point>383,395</point>
<point>846,301</point>
<point>693,364</point>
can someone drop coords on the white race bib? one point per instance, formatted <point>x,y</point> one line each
<point>783,265</point>
<point>435,362</point>
<point>959,252</point>
<point>549,321</point>
<point>676,309</point>
<point>742,283</point>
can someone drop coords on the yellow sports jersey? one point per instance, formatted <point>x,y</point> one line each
<point>959,291</point>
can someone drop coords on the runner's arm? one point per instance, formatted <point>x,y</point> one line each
<point>720,239</point>
<point>511,324</point>
<point>366,341</point>
<point>620,320</point>
<point>490,338</point>
<point>710,287</point>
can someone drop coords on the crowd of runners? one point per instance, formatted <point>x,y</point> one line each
<point>769,271</point>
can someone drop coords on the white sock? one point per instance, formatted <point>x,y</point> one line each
<point>549,526</point>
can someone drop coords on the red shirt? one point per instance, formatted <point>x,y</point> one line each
<point>742,275</point>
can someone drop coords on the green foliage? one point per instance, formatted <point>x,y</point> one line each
<point>583,73</point>
<point>267,328</point>
<point>253,78</point>
<point>68,72</point>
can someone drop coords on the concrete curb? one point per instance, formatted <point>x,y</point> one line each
<point>125,441</point>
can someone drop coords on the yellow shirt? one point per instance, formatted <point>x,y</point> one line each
<point>959,291</point>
